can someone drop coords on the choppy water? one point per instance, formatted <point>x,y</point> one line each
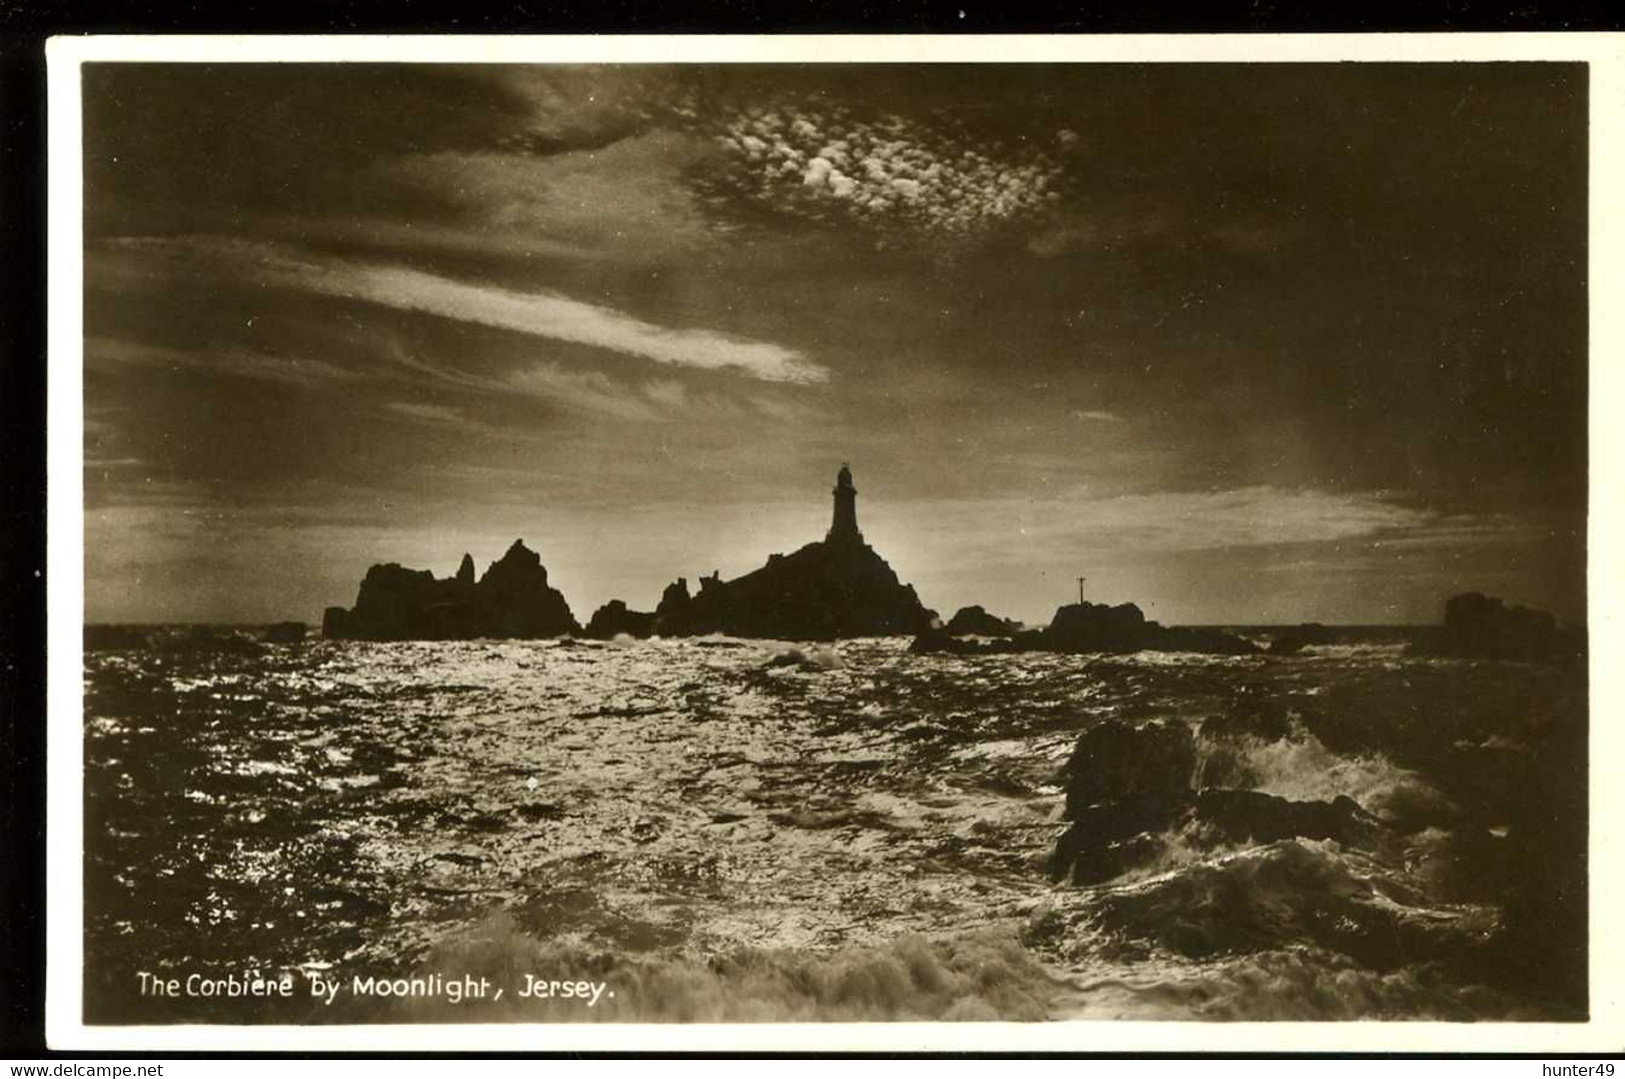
<point>863,836</point>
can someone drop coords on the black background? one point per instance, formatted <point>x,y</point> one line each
<point>26,24</point>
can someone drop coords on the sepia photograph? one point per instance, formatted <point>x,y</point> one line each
<point>828,542</point>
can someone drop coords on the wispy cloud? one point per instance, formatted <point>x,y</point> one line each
<point>594,393</point>
<point>540,314</point>
<point>545,314</point>
<point>460,421</point>
<point>440,415</point>
<point>233,362</point>
<point>1249,516</point>
<point>1172,521</point>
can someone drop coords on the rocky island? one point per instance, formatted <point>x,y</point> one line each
<point>1091,627</point>
<point>1477,626</point>
<point>837,587</point>
<point>512,599</point>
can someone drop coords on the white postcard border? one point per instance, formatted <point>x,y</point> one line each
<point>1605,53</point>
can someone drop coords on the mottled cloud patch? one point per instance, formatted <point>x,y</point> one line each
<point>887,172</point>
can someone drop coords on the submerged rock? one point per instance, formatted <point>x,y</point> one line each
<point>513,599</point>
<point>941,641</point>
<point>1286,894</point>
<point>1106,840</point>
<point>1266,720</point>
<point>206,639</point>
<point>1206,639</point>
<point>821,658</point>
<point>1235,816</point>
<point>286,633</point>
<point>1292,641</point>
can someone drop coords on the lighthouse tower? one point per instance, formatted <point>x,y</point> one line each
<point>844,529</point>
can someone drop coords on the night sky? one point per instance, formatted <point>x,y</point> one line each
<point>1240,343</point>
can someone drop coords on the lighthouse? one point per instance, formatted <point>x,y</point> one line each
<point>844,528</point>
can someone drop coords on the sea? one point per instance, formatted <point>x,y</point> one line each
<point>723,830</point>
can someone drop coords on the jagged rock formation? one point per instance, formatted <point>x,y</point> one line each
<point>672,614</point>
<point>614,619</point>
<point>513,599</point>
<point>839,587</point>
<point>976,622</point>
<point>1131,791</point>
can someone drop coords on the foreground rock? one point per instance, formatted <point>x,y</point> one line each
<point>1132,794</point>
<point>512,599</point>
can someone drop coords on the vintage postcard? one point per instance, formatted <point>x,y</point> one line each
<point>910,543</point>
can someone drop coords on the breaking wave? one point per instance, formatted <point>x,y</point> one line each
<point>1295,984</point>
<point>1298,766</point>
<point>981,976</point>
